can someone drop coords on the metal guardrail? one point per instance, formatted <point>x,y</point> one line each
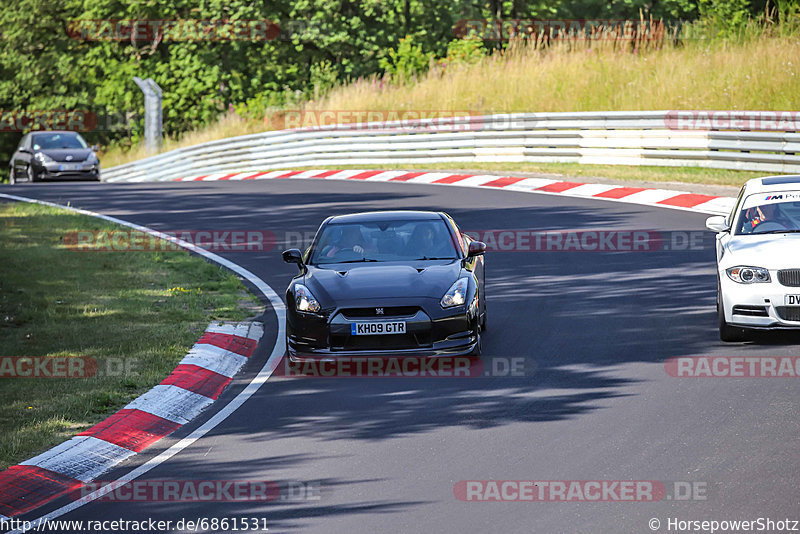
<point>609,138</point>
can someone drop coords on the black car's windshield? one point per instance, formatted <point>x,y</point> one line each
<point>770,213</point>
<point>48,141</point>
<point>384,241</point>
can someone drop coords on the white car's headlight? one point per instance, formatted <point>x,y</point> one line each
<point>456,295</point>
<point>304,300</point>
<point>748,275</point>
<point>43,158</point>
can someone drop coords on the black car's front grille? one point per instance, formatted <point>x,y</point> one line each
<point>789,277</point>
<point>379,312</point>
<point>386,342</point>
<point>751,311</point>
<point>788,313</point>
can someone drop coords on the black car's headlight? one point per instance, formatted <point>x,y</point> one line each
<point>304,300</point>
<point>748,275</point>
<point>92,159</point>
<point>43,158</point>
<point>456,295</point>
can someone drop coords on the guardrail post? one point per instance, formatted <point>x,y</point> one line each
<point>152,113</point>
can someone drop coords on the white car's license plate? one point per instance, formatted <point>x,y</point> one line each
<point>792,300</point>
<point>377,329</point>
<point>70,167</point>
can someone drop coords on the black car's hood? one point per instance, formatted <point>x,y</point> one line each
<point>60,154</point>
<point>342,282</point>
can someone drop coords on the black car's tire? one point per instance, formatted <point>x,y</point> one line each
<point>484,320</point>
<point>11,178</point>
<point>728,333</point>
<point>32,177</point>
<point>478,350</point>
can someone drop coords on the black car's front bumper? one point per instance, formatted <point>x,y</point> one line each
<point>430,332</point>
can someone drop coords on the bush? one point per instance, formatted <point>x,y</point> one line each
<point>406,61</point>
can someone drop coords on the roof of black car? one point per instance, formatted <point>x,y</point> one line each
<point>369,216</point>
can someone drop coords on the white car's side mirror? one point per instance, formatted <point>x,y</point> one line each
<point>718,223</point>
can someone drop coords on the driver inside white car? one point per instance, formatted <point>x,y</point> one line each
<point>755,217</point>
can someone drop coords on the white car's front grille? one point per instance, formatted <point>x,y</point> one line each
<point>789,277</point>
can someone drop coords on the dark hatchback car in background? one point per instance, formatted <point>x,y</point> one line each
<point>53,155</point>
<point>387,283</point>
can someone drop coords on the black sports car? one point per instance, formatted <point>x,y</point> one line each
<point>53,155</point>
<point>396,282</point>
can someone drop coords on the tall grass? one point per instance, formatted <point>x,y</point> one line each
<point>755,66</point>
<point>757,74</point>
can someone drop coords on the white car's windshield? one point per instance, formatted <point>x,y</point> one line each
<point>384,241</point>
<point>770,213</point>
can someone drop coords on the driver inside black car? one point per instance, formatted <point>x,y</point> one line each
<point>427,242</point>
<point>347,239</point>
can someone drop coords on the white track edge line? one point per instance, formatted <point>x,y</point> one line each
<point>266,371</point>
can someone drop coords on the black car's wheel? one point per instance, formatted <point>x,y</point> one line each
<point>32,176</point>
<point>484,320</point>
<point>11,177</point>
<point>478,350</point>
<point>727,333</point>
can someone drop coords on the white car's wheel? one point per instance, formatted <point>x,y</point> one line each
<point>727,333</point>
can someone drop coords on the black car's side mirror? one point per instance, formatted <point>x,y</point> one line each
<point>293,255</point>
<point>476,248</point>
<point>95,148</point>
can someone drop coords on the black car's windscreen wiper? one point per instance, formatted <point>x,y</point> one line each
<point>424,258</point>
<point>362,260</point>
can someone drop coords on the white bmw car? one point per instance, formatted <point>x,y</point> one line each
<point>758,258</point>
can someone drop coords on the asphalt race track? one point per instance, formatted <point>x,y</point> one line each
<point>594,330</point>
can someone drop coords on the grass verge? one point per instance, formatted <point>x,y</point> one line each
<point>135,313</point>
